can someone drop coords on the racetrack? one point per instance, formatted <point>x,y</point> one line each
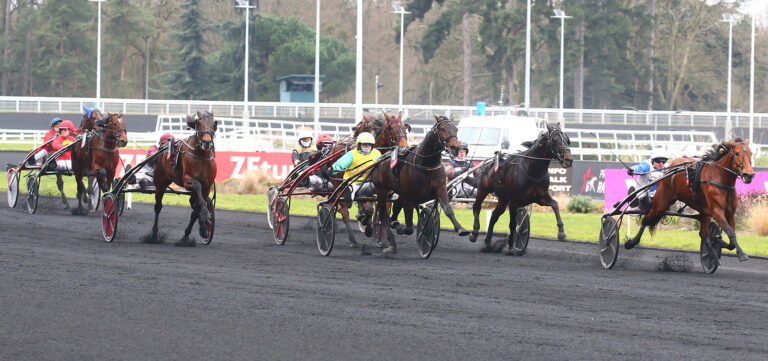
<point>65,294</point>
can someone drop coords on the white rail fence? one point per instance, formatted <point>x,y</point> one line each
<point>346,111</point>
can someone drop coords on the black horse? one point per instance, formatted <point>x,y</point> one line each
<point>522,179</point>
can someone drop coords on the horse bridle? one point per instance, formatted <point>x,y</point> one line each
<point>199,135</point>
<point>440,139</point>
<point>395,138</point>
<point>558,151</point>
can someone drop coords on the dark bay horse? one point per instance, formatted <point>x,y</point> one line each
<point>715,197</point>
<point>421,178</point>
<point>520,180</point>
<point>195,170</point>
<point>393,132</point>
<point>97,156</point>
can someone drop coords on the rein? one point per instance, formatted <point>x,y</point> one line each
<point>184,143</point>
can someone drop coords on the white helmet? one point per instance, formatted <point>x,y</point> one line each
<point>366,137</point>
<point>659,153</point>
<point>303,135</point>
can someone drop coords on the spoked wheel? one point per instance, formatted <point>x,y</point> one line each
<point>710,256</point>
<point>33,185</point>
<point>609,242</point>
<point>522,232</point>
<point>95,194</point>
<point>326,228</point>
<point>211,222</point>
<point>109,217</point>
<point>428,230</point>
<point>13,187</point>
<point>271,194</point>
<point>280,220</point>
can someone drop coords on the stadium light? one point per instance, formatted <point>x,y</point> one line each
<point>527,59</point>
<point>245,4</point>
<point>400,10</point>
<point>728,18</point>
<point>559,14</point>
<point>98,54</point>
<point>316,86</point>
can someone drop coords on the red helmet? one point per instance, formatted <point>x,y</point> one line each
<point>165,138</point>
<point>324,138</point>
<point>67,124</point>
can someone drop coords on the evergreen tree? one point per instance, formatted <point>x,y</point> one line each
<point>186,76</point>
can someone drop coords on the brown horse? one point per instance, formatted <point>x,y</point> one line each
<point>421,178</point>
<point>97,155</point>
<point>522,179</point>
<point>715,197</point>
<point>195,170</point>
<point>393,132</point>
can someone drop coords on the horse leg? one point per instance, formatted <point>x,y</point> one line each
<point>396,207</point>
<point>497,212</point>
<point>719,216</point>
<point>159,193</point>
<point>442,197</point>
<point>548,201</point>
<point>342,206</point>
<point>60,184</point>
<point>481,194</point>
<point>81,196</point>
<point>408,214</point>
<point>512,226</point>
<point>202,210</point>
<point>185,241</point>
<point>383,212</point>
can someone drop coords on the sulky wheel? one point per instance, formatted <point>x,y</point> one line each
<point>609,242</point>
<point>428,230</point>
<point>280,219</point>
<point>710,254</point>
<point>326,228</point>
<point>271,194</point>
<point>522,232</point>
<point>13,187</point>
<point>33,186</point>
<point>211,222</point>
<point>121,195</point>
<point>95,194</point>
<point>109,217</point>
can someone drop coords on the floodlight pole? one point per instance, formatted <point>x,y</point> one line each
<point>528,59</point>
<point>317,70</point>
<point>359,64</point>
<point>400,10</point>
<point>247,6</point>
<point>98,54</point>
<point>752,85</point>
<point>728,125</point>
<point>559,14</point>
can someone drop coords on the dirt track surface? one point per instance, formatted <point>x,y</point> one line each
<point>65,294</point>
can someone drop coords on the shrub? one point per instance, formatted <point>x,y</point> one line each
<point>580,204</point>
<point>759,219</point>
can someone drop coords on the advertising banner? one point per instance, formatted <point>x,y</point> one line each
<point>275,165</point>
<point>617,183</point>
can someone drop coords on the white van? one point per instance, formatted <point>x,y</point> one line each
<point>487,134</point>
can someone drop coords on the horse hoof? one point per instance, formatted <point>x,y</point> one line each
<point>487,248</point>
<point>463,232</point>
<point>368,230</point>
<point>561,236</point>
<point>630,243</point>
<point>401,230</point>
<point>473,238</point>
<point>394,224</point>
<point>514,252</point>
<point>65,204</point>
<point>743,257</point>
<point>389,252</point>
<point>154,238</point>
<point>353,244</point>
<point>379,244</point>
<point>498,246</point>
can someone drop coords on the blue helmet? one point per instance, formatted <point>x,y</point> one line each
<point>55,121</point>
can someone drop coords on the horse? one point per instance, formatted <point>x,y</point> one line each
<point>97,156</point>
<point>393,132</point>
<point>195,170</point>
<point>714,197</point>
<point>520,180</point>
<point>421,178</point>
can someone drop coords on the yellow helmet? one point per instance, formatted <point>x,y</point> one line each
<point>366,137</point>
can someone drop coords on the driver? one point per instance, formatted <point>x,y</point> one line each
<point>64,161</point>
<point>318,181</point>
<point>304,149</point>
<point>145,175</point>
<point>458,166</point>
<point>648,171</point>
<point>42,155</point>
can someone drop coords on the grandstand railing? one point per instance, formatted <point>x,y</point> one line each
<point>346,111</point>
<point>603,144</point>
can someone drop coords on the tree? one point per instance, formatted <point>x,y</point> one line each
<point>126,26</point>
<point>186,76</point>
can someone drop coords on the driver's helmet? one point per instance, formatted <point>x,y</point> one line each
<point>324,140</point>
<point>659,154</point>
<point>305,139</point>
<point>67,124</point>
<point>55,121</point>
<point>464,146</point>
<point>365,138</point>
<point>165,137</point>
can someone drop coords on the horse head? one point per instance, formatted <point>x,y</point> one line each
<point>741,158</point>
<point>204,126</point>
<point>447,132</point>
<point>395,131</point>
<point>559,145</point>
<point>91,119</point>
<point>113,126</point>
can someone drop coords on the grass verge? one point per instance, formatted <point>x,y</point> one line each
<point>583,227</point>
